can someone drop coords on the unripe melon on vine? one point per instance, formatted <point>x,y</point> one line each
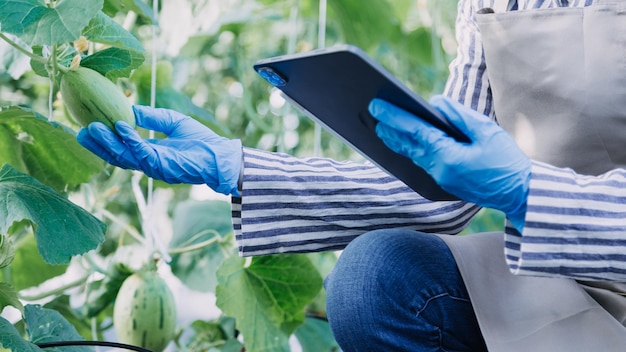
<point>144,314</point>
<point>91,97</point>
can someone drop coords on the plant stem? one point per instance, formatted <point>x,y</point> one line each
<point>134,233</point>
<point>200,234</point>
<point>61,68</point>
<point>6,274</point>
<point>52,72</point>
<point>194,247</point>
<point>22,50</point>
<point>54,291</point>
<point>94,266</point>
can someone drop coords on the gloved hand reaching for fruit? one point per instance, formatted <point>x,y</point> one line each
<point>191,153</point>
<point>490,170</point>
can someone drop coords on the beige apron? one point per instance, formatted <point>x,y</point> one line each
<point>554,74</point>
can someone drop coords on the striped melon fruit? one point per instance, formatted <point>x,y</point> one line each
<point>144,314</point>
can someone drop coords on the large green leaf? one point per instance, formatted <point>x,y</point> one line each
<point>17,15</point>
<point>114,63</point>
<point>37,24</point>
<point>195,222</point>
<point>8,297</point>
<point>267,298</point>
<point>61,304</point>
<point>47,325</point>
<point>324,262</point>
<point>211,335</point>
<point>45,150</point>
<point>62,229</point>
<point>315,336</point>
<point>11,339</point>
<point>103,29</point>
<point>28,268</point>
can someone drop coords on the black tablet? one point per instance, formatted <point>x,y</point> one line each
<point>334,87</point>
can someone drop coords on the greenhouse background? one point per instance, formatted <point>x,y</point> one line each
<point>196,57</point>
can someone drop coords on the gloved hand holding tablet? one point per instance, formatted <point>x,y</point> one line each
<point>334,87</point>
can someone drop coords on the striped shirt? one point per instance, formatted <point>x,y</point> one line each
<point>573,222</point>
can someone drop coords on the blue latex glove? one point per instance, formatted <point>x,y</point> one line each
<point>191,153</point>
<point>490,171</point>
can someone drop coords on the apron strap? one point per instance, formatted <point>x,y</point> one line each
<point>503,5</point>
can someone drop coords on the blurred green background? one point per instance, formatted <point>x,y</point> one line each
<point>205,50</point>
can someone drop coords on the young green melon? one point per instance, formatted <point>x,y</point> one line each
<point>91,97</point>
<point>144,314</point>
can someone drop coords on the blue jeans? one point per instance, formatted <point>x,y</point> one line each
<point>400,290</point>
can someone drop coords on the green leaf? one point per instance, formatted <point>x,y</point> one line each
<point>45,150</point>
<point>267,298</point>
<point>324,262</point>
<point>196,222</point>
<point>11,339</point>
<point>237,296</point>
<point>114,62</point>
<point>62,229</point>
<point>8,152</point>
<point>28,268</point>
<point>17,15</point>
<point>211,335</point>
<point>61,304</point>
<point>37,24</point>
<point>7,250</point>
<point>47,325</point>
<point>315,336</point>
<point>103,29</point>
<point>9,297</point>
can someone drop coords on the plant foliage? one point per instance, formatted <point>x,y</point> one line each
<point>72,229</point>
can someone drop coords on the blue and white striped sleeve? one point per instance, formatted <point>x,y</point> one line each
<point>468,82</point>
<point>291,204</point>
<point>575,226</point>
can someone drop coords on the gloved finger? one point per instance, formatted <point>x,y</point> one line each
<point>159,119</point>
<point>84,138</point>
<point>422,132</point>
<point>472,123</point>
<point>423,147</point>
<point>432,149</point>
<point>93,145</point>
<point>106,138</point>
<point>109,146</point>
<point>140,150</point>
<point>398,141</point>
<point>396,117</point>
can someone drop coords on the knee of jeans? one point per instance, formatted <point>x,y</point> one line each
<point>346,296</point>
<point>359,252</point>
<point>363,282</point>
<point>367,254</point>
